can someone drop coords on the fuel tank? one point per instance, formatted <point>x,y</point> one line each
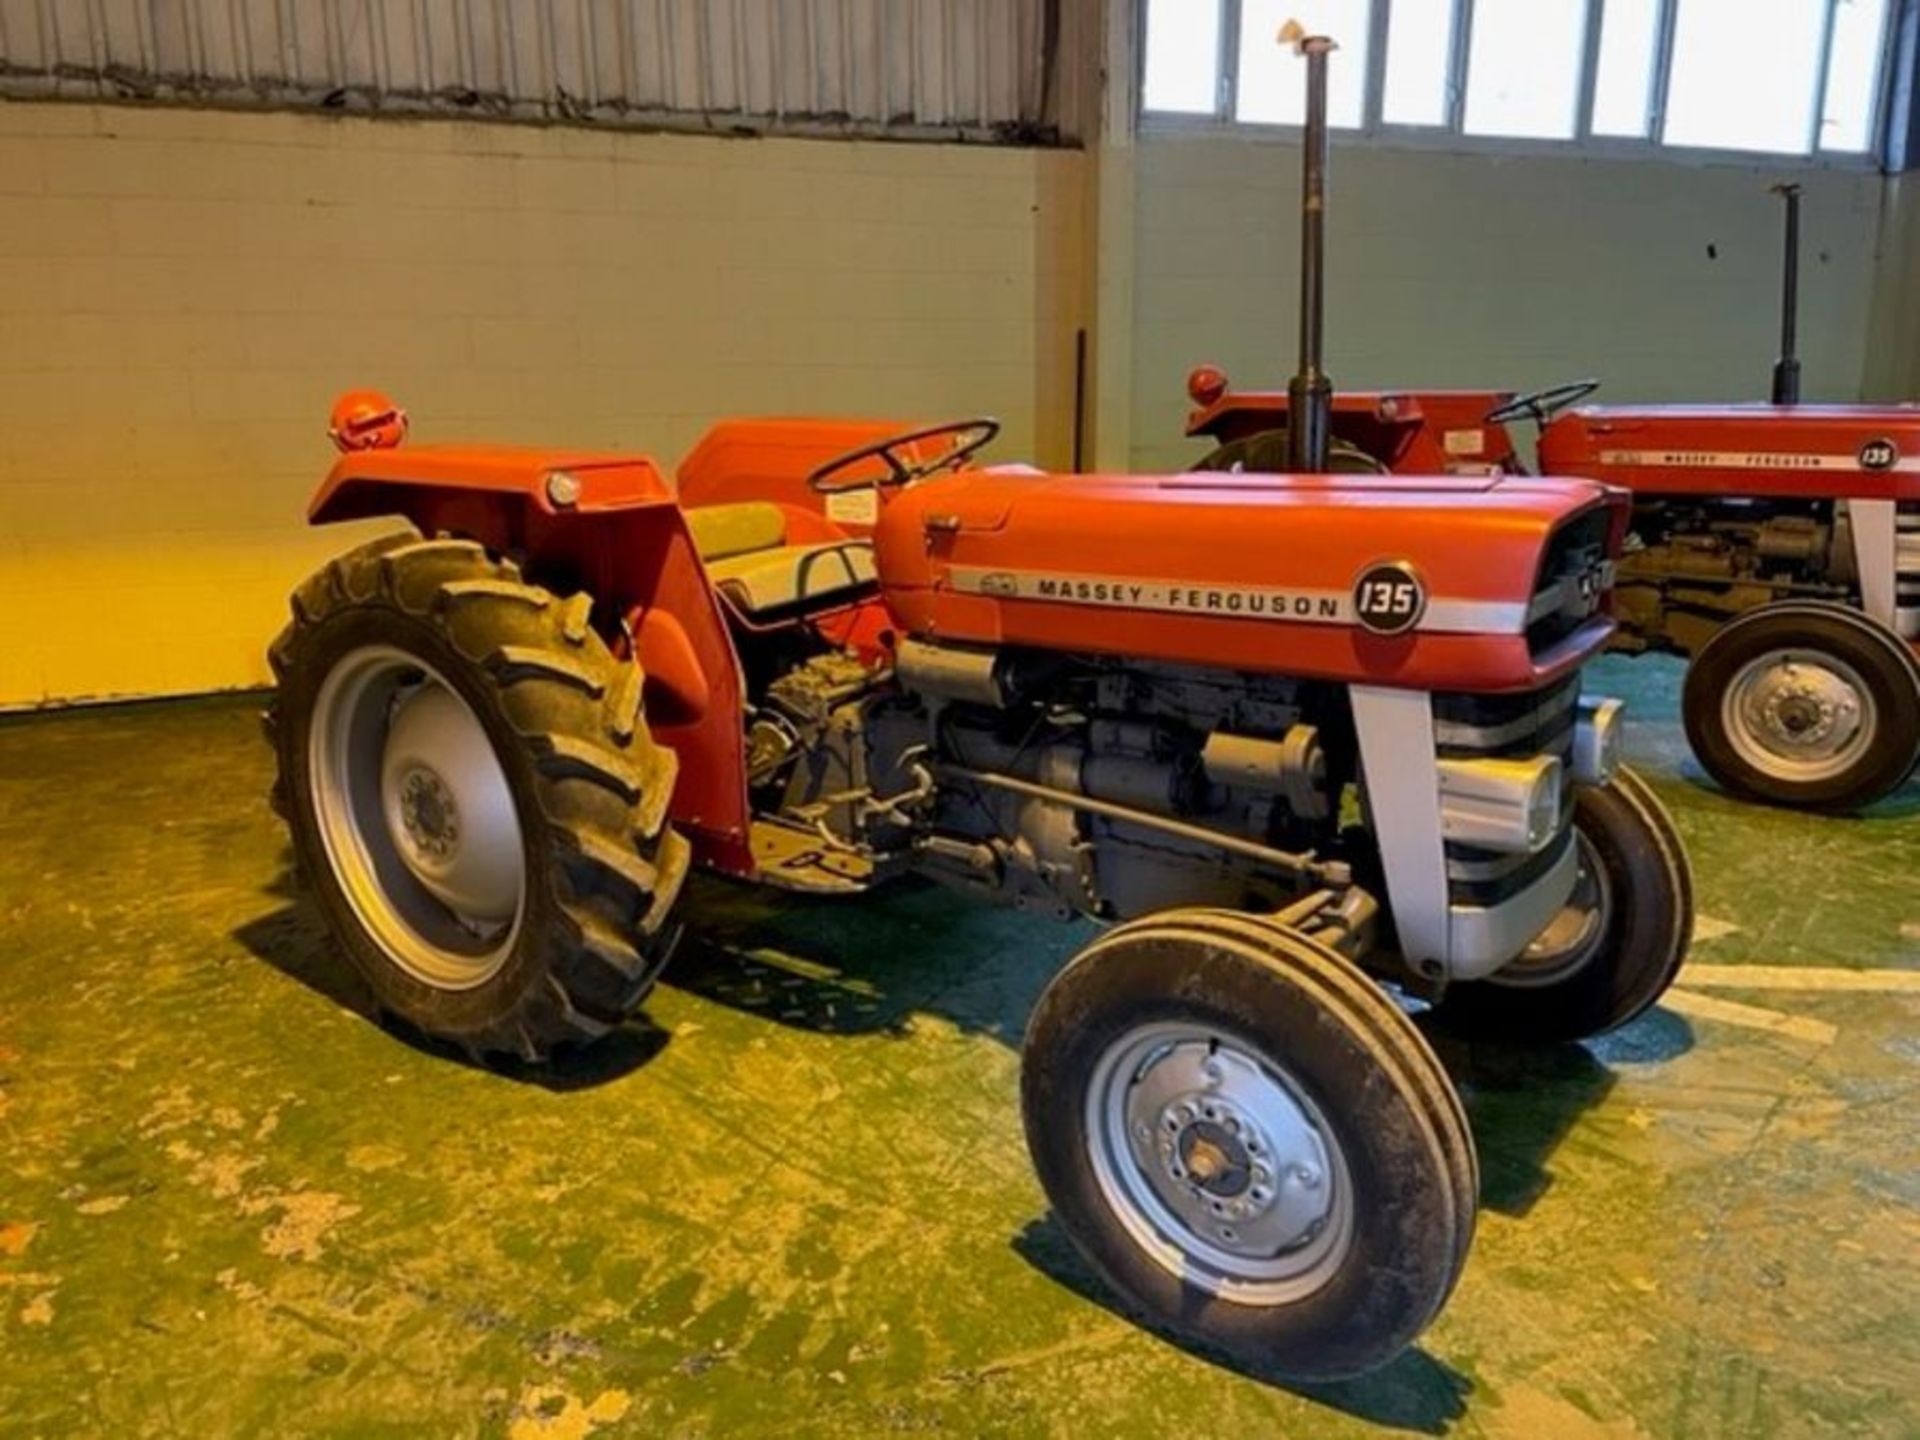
<point>1483,584</point>
<point>1829,452</point>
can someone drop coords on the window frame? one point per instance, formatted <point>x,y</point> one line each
<point>1451,136</point>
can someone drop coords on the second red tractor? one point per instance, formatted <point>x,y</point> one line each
<point>1776,547</point>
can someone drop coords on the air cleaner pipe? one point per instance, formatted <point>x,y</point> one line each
<point>1310,393</point>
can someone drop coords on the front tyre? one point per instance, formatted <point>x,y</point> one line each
<point>473,796</point>
<point>1613,949</point>
<point>1805,705</point>
<point>1249,1142</point>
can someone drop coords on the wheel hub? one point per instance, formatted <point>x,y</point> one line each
<point>417,817</point>
<point>430,818</point>
<point>448,807</point>
<point>1807,708</point>
<point>1799,714</point>
<point>1220,1152</point>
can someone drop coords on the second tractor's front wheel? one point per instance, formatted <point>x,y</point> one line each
<point>1615,946</point>
<point>1805,705</point>
<point>1249,1142</point>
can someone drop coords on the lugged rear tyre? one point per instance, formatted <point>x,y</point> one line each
<point>1250,1142</point>
<point>518,902</point>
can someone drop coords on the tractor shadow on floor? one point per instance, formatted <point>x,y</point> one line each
<point>1523,1101</point>
<point>833,968</point>
<point>867,966</point>
<point>1415,1392</point>
<point>293,940</point>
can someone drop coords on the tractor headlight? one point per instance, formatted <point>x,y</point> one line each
<point>1508,806</point>
<point>1597,737</point>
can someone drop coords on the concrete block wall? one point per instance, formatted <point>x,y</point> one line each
<point>1662,279</point>
<point>183,292</point>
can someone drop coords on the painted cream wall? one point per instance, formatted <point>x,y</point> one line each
<point>1473,270</point>
<point>183,292</point>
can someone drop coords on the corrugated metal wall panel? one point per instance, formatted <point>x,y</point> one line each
<point>977,68</point>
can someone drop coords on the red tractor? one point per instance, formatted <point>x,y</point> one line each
<point>1776,547</point>
<point>1295,737</point>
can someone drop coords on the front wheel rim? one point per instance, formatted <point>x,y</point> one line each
<point>1800,716</point>
<point>417,818</point>
<point>1574,937</point>
<point>1218,1165</point>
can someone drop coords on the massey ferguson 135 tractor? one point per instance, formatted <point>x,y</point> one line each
<point>1295,736</point>
<point>1777,547</point>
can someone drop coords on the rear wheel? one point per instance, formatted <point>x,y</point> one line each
<point>1250,1142</point>
<point>473,794</point>
<point>1615,947</point>
<point>1805,705</point>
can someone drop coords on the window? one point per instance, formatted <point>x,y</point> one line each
<point>1272,84</point>
<point>1777,77</point>
<point>1623,83</point>
<point>1746,74</point>
<point>1183,56</point>
<point>1419,62</point>
<point>1523,68</point>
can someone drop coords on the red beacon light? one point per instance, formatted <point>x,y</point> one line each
<point>366,420</point>
<point>1207,384</point>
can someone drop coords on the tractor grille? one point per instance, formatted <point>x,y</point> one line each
<point>1575,575</point>
<point>1906,569</point>
<point>1507,727</point>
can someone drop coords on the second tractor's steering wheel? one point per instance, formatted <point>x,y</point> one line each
<point>969,438</point>
<point>1542,405</point>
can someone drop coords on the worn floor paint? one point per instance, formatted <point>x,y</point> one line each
<point>796,1202</point>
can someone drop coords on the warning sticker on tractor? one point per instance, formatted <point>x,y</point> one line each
<point>1466,442</point>
<point>854,507</point>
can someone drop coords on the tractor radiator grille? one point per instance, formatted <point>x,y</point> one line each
<point>1906,569</point>
<point>1575,575</point>
<point>1507,727</point>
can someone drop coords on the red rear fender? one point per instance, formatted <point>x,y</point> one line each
<point>609,525</point>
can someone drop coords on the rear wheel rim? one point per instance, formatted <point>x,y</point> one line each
<point>417,818</point>
<point>1218,1165</point>
<point>1800,716</point>
<point>1574,937</point>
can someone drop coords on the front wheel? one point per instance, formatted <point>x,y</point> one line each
<point>1615,947</point>
<point>1249,1142</point>
<point>1805,705</point>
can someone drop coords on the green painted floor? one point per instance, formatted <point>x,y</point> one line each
<point>797,1203</point>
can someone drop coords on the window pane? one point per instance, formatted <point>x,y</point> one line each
<point>1523,69</point>
<point>1273,80</point>
<point>1853,75</point>
<point>1743,74</point>
<point>1183,57</point>
<point>1623,85</point>
<point>1419,59</point>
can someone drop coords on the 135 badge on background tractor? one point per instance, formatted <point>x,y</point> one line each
<point>1291,737</point>
<point>1776,547</point>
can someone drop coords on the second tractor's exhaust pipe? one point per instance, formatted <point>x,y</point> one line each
<point>1786,370</point>
<point>1310,393</point>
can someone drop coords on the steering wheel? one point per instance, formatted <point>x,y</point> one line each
<point>1542,405</point>
<point>969,438</point>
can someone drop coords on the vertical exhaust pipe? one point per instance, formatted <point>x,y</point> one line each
<point>1310,392</point>
<point>1786,370</point>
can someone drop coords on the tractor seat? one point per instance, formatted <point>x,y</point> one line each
<point>747,558</point>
